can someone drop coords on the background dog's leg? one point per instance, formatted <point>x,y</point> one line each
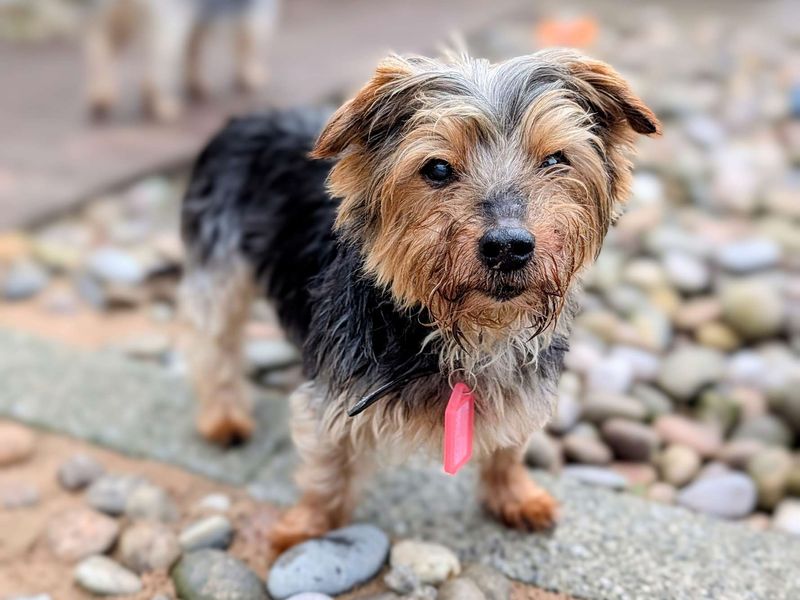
<point>169,25</point>
<point>196,83</point>
<point>253,30</point>
<point>215,305</point>
<point>327,477</point>
<point>510,494</point>
<point>107,32</point>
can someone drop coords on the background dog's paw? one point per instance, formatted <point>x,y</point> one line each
<point>225,424</point>
<point>300,523</point>
<point>537,511</point>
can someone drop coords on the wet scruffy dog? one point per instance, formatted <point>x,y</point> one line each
<point>174,34</point>
<point>463,200</point>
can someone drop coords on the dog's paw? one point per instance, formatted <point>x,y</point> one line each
<point>225,423</point>
<point>300,523</point>
<point>536,511</point>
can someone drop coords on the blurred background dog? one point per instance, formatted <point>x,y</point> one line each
<point>174,32</point>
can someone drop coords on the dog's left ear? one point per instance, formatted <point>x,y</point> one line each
<point>611,95</point>
<point>374,111</point>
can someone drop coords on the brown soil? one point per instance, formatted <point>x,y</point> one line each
<point>28,567</point>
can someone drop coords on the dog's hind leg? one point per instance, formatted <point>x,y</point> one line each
<point>510,494</point>
<point>216,296</point>
<point>328,476</point>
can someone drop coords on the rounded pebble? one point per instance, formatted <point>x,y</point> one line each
<point>213,532</point>
<point>213,574</point>
<point>147,546</point>
<point>79,471</point>
<point>17,443</point>
<point>103,577</point>
<point>80,532</point>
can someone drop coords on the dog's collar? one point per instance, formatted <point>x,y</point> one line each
<point>390,386</point>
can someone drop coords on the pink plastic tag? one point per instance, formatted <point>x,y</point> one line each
<point>458,421</point>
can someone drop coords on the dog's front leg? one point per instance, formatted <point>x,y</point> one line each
<point>510,494</point>
<point>329,471</point>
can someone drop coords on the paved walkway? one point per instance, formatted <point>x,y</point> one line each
<point>608,545</point>
<point>51,157</point>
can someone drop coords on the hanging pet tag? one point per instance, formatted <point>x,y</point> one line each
<point>458,421</point>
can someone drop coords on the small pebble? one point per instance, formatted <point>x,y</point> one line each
<point>630,440</point>
<point>102,576</point>
<point>770,469</point>
<point>212,532</point>
<point>543,452</point>
<point>402,579</point>
<point>24,280</point>
<point>214,502</point>
<point>152,502</point>
<point>704,439</point>
<point>601,406</point>
<point>81,532</point>
<point>687,370</point>
<point>431,563</point>
<point>109,493</point>
<point>17,443</point>
<point>111,265</point>
<point>460,588</point>
<point>787,516</point>
<point>679,464</point>
<point>147,546</point>
<point>493,584</point>
<point>586,450</point>
<point>599,476</point>
<point>79,471</point>
<point>754,308</point>
<point>213,575</point>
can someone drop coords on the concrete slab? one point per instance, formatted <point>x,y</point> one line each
<point>608,545</point>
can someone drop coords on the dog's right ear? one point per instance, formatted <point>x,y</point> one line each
<point>375,111</point>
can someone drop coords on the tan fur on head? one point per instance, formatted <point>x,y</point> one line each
<point>494,124</point>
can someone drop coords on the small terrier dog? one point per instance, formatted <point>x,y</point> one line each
<point>463,201</point>
<point>175,31</point>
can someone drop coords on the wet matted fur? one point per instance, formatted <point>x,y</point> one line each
<point>375,267</point>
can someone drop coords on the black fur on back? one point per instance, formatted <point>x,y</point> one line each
<point>255,192</point>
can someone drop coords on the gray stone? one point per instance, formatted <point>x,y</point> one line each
<point>270,354</point>
<point>754,308</point>
<point>737,453</point>
<point>78,471</point>
<point>109,493</point>
<point>630,440</point>
<point>743,256</point>
<point>787,517</point>
<point>730,496</point>
<point>402,579</point>
<point>687,370</point>
<point>587,450</point>
<point>460,588</point>
<point>598,476</point>
<point>568,413</point>
<point>602,406</point>
<point>543,452</point>
<point>767,429</point>
<point>613,375</point>
<point>147,546</point>
<point>332,564</point>
<point>112,265</point>
<point>80,532</point>
<point>212,532</point>
<point>493,584</point>
<point>770,469</point>
<point>103,577</point>
<point>152,502</point>
<point>655,402</point>
<point>311,596</point>
<point>24,280</point>
<point>686,273</point>
<point>212,575</point>
<point>431,563</point>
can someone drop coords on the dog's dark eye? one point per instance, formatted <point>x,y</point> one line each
<point>438,172</point>
<point>557,158</point>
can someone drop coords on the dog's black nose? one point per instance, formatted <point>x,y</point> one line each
<point>507,248</point>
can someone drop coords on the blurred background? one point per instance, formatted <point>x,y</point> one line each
<point>683,379</point>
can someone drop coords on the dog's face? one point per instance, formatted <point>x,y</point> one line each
<point>478,191</point>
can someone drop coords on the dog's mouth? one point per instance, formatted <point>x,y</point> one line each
<point>504,291</point>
